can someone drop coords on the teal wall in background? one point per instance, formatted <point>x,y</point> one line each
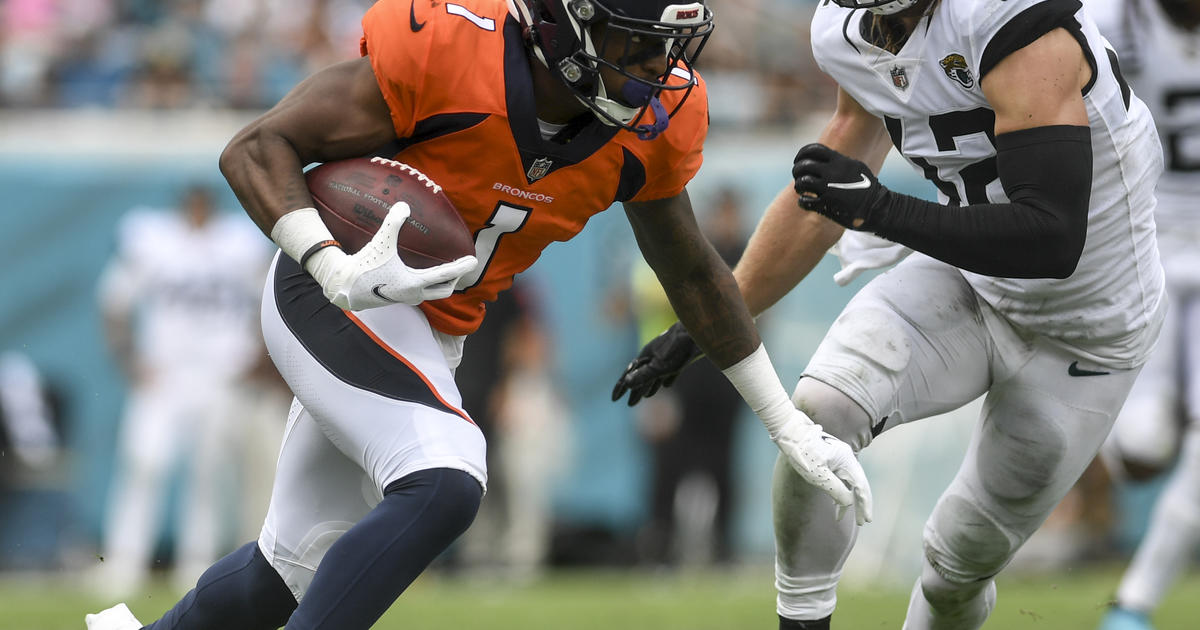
<point>58,217</point>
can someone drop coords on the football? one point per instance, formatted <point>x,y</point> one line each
<point>353,196</point>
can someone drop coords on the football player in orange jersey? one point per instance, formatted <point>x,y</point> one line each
<point>533,115</point>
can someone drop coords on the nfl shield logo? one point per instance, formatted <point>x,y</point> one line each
<point>900,77</point>
<point>539,169</point>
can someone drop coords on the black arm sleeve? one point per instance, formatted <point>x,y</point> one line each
<point>1046,173</point>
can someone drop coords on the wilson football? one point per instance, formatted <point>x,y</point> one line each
<point>353,196</point>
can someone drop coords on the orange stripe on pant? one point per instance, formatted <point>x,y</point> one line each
<point>398,356</point>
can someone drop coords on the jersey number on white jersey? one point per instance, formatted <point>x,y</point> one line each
<point>947,128</point>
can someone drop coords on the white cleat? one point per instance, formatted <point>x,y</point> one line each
<point>116,618</point>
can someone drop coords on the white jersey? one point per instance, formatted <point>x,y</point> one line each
<point>935,111</point>
<point>1162,62</point>
<point>194,292</point>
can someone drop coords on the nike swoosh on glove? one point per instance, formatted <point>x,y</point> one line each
<point>839,187</point>
<point>657,365</point>
<point>376,276</point>
<point>827,463</point>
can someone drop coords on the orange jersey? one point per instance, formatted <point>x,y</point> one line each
<point>456,77</point>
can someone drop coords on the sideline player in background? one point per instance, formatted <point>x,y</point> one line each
<point>1038,281</point>
<point>1158,42</point>
<point>180,304</point>
<point>564,108</point>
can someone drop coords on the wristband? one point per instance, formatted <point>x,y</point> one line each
<point>316,248</point>
<point>301,233</point>
<point>755,379</point>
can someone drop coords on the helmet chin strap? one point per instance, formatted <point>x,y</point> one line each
<point>639,94</point>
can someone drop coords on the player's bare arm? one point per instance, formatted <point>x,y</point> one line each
<point>705,297</point>
<point>1039,85</point>
<point>788,243</point>
<point>696,280</point>
<point>855,132</point>
<point>337,113</point>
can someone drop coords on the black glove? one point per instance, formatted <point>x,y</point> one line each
<point>839,187</point>
<point>657,365</point>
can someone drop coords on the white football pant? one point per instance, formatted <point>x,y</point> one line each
<point>914,343</point>
<point>375,401</point>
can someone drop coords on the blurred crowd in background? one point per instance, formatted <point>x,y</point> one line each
<point>246,54</point>
<point>170,54</point>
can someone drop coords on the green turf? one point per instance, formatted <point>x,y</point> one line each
<point>622,600</point>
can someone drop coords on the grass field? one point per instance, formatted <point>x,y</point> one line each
<point>608,600</point>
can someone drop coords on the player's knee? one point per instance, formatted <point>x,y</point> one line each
<point>964,546</point>
<point>836,412</point>
<point>454,496</point>
<point>1025,457</point>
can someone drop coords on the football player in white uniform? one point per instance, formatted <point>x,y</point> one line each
<point>1036,281</point>
<point>1158,42</point>
<point>180,303</point>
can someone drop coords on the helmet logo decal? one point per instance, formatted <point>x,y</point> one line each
<point>539,169</point>
<point>955,67</point>
<point>689,14</point>
<point>899,77</point>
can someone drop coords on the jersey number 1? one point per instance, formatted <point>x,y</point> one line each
<point>505,219</point>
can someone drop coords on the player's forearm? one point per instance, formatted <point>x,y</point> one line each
<point>856,132</point>
<point>335,114</point>
<point>787,244</point>
<point>696,280</point>
<point>860,136</point>
<point>266,174</point>
<point>708,304</point>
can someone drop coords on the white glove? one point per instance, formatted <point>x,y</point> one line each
<point>826,462</point>
<point>374,276</point>
<point>820,458</point>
